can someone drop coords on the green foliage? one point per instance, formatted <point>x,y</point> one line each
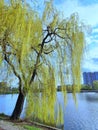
<point>3,116</point>
<point>95,84</point>
<point>27,127</point>
<point>4,88</point>
<point>28,44</point>
<point>86,87</point>
<point>14,90</point>
<point>43,103</point>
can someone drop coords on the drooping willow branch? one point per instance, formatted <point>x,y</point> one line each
<point>38,56</point>
<point>6,58</point>
<point>50,35</point>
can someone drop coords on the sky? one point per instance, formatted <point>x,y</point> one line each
<point>88,13</point>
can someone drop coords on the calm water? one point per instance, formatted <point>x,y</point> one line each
<point>83,116</point>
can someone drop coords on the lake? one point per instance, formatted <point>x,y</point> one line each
<point>83,116</point>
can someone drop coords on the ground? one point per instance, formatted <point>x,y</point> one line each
<point>7,124</point>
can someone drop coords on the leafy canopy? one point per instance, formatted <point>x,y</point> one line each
<point>41,50</point>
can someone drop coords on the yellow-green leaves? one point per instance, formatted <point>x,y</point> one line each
<point>41,103</point>
<point>46,48</point>
<point>50,15</point>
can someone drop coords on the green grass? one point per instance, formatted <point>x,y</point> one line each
<point>3,116</point>
<point>31,127</point>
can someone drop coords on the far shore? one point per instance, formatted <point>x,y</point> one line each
<point>81,91</point>
<point>89,91</point>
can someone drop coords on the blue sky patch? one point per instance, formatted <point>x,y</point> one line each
<point>95,60</point>
<point>57,2</point>
<point>88,2</point>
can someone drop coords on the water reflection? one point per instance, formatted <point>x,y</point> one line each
<point>92,97</point>
<point>7,103</point>
<point>83,116</point>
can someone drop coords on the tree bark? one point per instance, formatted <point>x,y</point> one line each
<point>18,107</point>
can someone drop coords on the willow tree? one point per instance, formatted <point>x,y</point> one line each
<point>39,48</point>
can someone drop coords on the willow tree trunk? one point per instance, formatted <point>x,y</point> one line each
<point>18,107</point>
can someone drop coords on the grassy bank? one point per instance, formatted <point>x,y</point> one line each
<point>19,123</point>
<point>26,124</point>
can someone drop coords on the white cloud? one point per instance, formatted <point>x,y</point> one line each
<point>90,66</point>
<point>86,13</point>
<point>94,40</point>
<point>89,55</point>
<point>93,53</point>
<point>95,30</point>
<point>88,40</point>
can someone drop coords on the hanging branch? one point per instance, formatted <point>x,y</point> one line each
<point>50,34</point>
<point>6,55</point>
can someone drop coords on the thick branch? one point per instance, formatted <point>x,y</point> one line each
<point>48,52</point>
<point>49,34</point>
<point>38,58</point>
<point>59,36</point>
<point>34,49</point>
<point>8,61</point>
<point>63,29</point>
<point>14,71</point>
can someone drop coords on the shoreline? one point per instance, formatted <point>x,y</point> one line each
<point>5,119</point>
<point>81,91</point>
<point>89,91</point>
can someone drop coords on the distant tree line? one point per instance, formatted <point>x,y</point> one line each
<point>5,89</point>
<point>69,88</point>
